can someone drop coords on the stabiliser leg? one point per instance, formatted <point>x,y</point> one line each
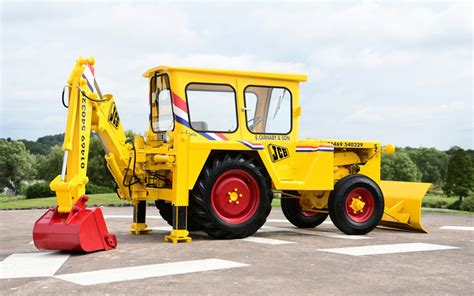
<point>179,232</point>
<point>139,216</point>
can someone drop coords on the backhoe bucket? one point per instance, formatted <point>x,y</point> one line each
<point>82,230</point>
<point>403,204</point>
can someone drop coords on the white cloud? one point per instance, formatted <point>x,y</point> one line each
<point>394,71</point>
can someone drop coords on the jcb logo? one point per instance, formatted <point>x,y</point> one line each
<point>278,152</point>
<point>113,116</point>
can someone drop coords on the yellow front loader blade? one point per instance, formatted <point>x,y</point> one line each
<point>403,204</point>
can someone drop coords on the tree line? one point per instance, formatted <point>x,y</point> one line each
<point>452,171</point>
<point>23,162</point>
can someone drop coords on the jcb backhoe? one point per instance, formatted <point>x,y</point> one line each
<point>220,144</point>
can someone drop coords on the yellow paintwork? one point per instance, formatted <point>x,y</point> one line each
<point>357,205</point>
<point>181,159</point>
<point>403,204</point>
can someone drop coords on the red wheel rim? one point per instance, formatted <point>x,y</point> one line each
<point>235,196</point>
<point>302,212</point>
<point>359,205</point>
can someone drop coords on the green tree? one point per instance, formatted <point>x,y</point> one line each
<point>48,167</point>
<point>16,164</point>
<point>399,167</point>
<point>431,163</point>
<point>97,170</point>
<point>460,174</point>
<point>51,140</point>
<point>36,148</point>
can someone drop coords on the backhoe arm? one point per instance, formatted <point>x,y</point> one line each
<point>89,110</point>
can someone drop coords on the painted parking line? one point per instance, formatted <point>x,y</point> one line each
<point>286,221</point>
<point>147,271</point>
<point>277,221</point>
<point>265,228</point>
<point>267,241</point>
<point>387,249</point>
<point>129,217</point>
<point>464,228</point>
<point>31,265</point>
<point>312,232</point>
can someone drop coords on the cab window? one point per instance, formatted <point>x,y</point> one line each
<point>212,107</point>
<point>268,109</point>
<point>161,109</point>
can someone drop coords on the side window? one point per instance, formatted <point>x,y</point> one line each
<point>160,98</point>
<point>268,109</point>
<point>212,107</point>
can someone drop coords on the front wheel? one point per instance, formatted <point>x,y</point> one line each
<point>356,205</point>
<point>294,212</point>
<point>232,197</point>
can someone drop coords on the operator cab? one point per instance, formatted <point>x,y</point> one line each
<point>224,102</point>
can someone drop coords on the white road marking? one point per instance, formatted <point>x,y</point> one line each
<point>331,234</point>
<point>129,217</point>
<point>465,228</point>
<point>31,265</point>
<point>277,221</point>
<point>267,241</point>
<point>387,249</point>
<point>147,271</point>
<point>265,228</point>
<point>286,221</point>
<point>321,233</point>
<point>168,229</point>
<point>161,228</point>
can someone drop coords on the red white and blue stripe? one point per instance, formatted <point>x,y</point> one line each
<point>253,146</point>
<point>181,113</point>
<point>320,148</point>
<point>89,76</point>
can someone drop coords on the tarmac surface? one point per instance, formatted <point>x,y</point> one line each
<point>279,260</point>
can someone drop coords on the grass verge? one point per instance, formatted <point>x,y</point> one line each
<point>432,203</point>
<point>20,202</point>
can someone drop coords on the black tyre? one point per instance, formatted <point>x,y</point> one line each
<point>166,211</point>
<point>294,213</point>
<point>232,197</point>
<point>356,205</point>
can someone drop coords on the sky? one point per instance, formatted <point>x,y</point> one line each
<point>397,72</point>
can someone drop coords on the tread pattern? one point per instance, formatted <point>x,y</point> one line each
<point>166,211</point>
<point>337,205</point>
<point>200,198</point>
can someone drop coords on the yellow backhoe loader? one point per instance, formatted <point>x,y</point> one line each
<point>220,145</point>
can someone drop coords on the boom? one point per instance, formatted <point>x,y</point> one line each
<point>89,111</point>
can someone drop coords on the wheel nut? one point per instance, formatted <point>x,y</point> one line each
<point>230,200</point>
<point>237,202</point>
<point>240,195</point>
<point>235,189</point>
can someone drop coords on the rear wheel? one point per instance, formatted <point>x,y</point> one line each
<point>294,212</point>
<point>356,205</point>
<point>166,211</point>
<point>232,198</point>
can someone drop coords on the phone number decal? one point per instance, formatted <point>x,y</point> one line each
<point>347,144</point>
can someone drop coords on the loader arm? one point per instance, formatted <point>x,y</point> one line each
<point>89,111</point>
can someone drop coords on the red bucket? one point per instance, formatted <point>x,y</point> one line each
<point>82,230</point>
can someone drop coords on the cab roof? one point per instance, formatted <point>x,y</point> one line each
<point>267,75</point>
